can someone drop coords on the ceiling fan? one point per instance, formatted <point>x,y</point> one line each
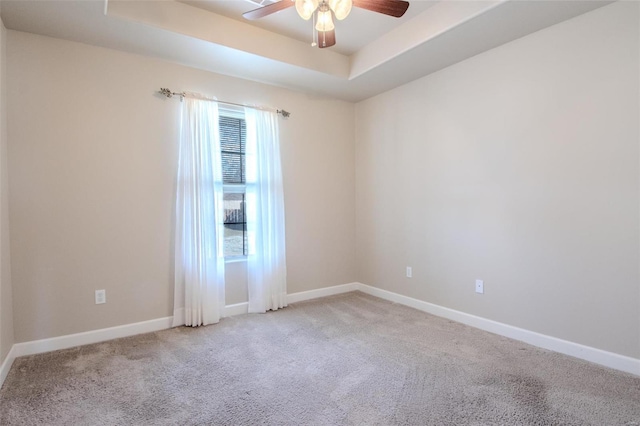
<point>322,12</point>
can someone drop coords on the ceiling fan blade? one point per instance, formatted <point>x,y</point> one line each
<point>395,8</point>
<point>268,10</point>
<point>326,38</point>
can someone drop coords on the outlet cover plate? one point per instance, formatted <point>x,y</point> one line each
<point>101,297</point>
<point>480,286</point>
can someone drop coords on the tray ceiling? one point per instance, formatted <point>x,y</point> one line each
<point>374,53</point>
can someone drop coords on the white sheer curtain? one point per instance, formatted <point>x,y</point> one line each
<point>199,258</point>
<point>265,213</point>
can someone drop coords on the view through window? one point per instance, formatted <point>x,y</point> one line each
<point>232,145</point>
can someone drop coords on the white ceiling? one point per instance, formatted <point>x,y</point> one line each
<point>374,53</point>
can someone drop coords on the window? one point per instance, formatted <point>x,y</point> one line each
<point>232,146</point>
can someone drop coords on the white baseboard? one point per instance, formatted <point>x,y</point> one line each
<point>79,339</point>
<point>243,308</point>
<point>6,365</point>
<point>228,311</point>
<point>88,337</point>
<point>587,353</point>
<point>322,292</point>
<point>598,356</point>
<point>237,309</point>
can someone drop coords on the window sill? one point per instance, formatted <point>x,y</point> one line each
<point>235,259</point>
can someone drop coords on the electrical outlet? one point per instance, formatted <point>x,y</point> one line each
<point>479,286</point>
<point>101,296</point>
<point>409,272</point>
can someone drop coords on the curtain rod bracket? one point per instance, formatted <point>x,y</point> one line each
<point>283,113</point>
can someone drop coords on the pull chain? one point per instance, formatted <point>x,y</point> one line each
<point>314,33</point>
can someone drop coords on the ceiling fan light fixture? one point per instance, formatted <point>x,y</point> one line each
<point>325,21</point>
<point>341,8</point>
<point>305,8</point>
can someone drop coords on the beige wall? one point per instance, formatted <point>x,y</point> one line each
<point>92,155</point>
<point>6,308</point>
<point>520,167</point>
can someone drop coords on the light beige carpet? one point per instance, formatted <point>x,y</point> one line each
<point>349,359</point>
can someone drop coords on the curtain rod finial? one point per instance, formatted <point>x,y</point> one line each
<point>168,93</point>
<point>285,114</point>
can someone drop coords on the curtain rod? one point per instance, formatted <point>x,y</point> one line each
<point>168,93</point>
